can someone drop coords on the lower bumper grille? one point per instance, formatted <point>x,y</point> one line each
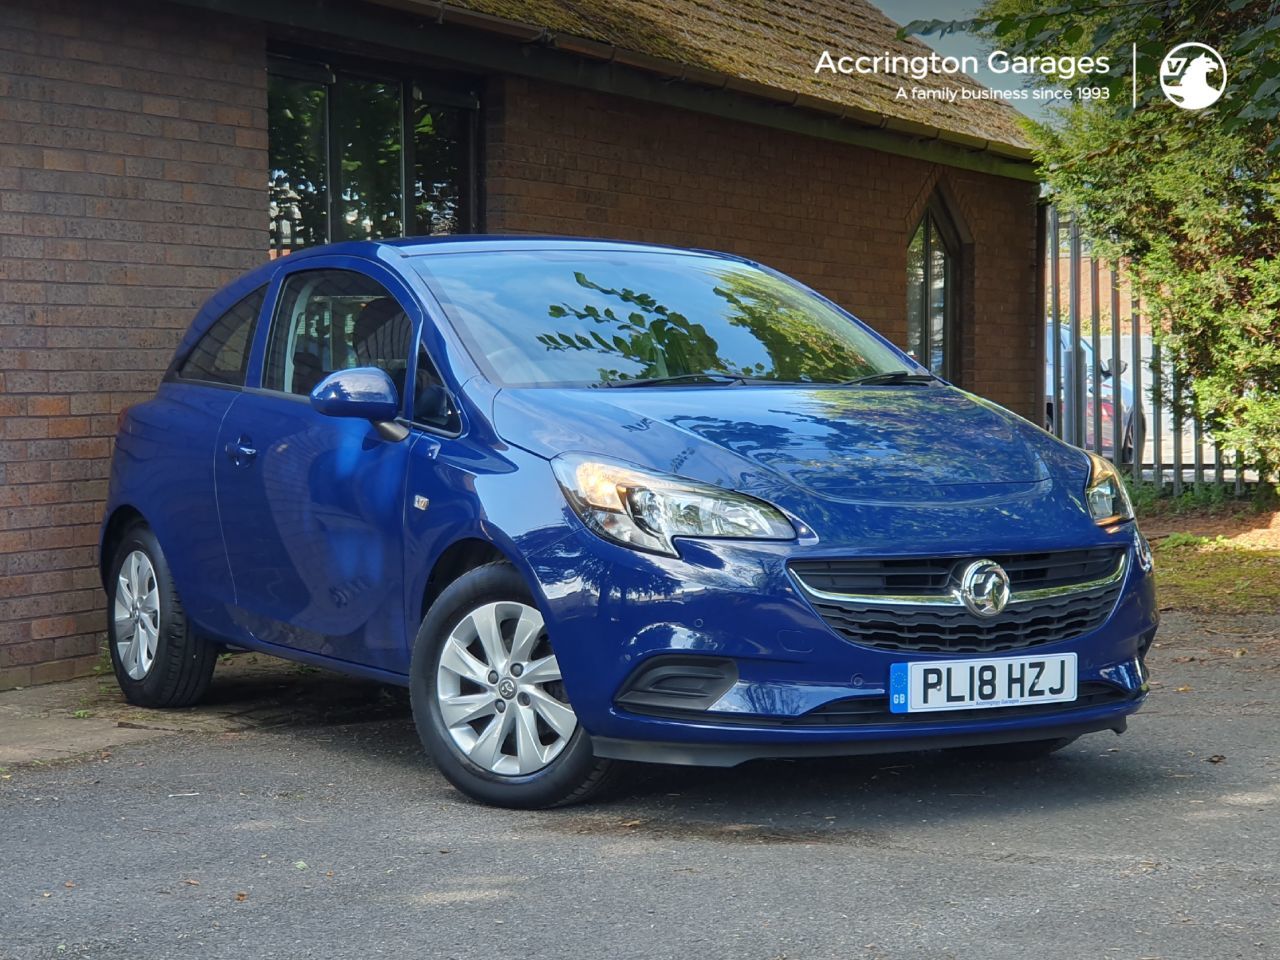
<point>872,710</point>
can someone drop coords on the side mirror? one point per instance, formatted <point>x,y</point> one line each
<point>1105,367</point>
<point>365,393</point>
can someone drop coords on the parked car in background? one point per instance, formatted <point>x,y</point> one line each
<point>1110,407</point>
<point>599,501</point>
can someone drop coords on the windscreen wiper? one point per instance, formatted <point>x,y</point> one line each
<point>892,377</point>
<point>688,379</point>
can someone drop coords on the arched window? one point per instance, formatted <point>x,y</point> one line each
<point>932,278</point>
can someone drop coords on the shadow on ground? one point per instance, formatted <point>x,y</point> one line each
<point>261,691</point>
<point>361,723</point>
<point>783,801</point>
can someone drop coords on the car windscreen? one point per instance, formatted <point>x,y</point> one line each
<point>585,318</point>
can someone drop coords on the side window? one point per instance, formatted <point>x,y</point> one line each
<point>222,354</point>
<point>331,320</point>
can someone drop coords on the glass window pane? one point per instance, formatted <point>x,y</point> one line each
<point>297,161</point>
<point>332,320</point>
<point>915,294</point>
<point>222,354</point>
<point>439,159</point>
<point>939,290</point>
<point>367,123</point>
<point>432,403</point>
<point>580,318</point>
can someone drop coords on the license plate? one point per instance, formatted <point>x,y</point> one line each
<point>969,684</point>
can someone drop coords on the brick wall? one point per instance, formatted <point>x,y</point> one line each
<point>133,146</point>
<point>132,173</point>
<point>837,217</point>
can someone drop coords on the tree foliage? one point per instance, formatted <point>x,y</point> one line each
<point>1245,32</point>
<point>1191,199</point>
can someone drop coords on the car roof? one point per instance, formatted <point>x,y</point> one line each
<point>492,243</point>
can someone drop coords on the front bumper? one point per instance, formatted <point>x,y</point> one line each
<point>612,610</point>
<point>732,754</point>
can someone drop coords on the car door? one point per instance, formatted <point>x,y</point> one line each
<point>177,438</point>
<point>312,506</point>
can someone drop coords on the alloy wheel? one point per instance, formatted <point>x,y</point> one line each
<point>137,615</point>
<point>500,693</point>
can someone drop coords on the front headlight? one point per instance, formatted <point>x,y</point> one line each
<point>1106,496</point>
<point>646,510</point>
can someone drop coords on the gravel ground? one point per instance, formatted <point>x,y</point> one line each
<point>318,830</point>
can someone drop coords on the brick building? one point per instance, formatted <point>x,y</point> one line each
<point>153,150</point>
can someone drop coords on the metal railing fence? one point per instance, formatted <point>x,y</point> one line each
<point>1108,387</point>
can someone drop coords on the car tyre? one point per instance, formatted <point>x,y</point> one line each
<point>158,658</point>
<point>490,766</point>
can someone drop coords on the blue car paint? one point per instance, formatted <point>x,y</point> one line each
<point>317,555</point>
<point>312,526</point>
<point>361,393</point>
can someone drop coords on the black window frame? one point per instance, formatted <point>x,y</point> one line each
<point>273,326</point>
<point>937,216</point>
<point>416,351</point>
<point>436,87</point>
<point>452,428</point>
<point>180,363</point>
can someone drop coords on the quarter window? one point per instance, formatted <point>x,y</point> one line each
<point>432,404</point>
<point>931,292</point>
<point>222,354</point>
<point>332,320</point>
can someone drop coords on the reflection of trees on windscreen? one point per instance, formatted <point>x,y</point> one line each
<point>798,344</point>
<point>658,341</point>
<point>662,341</point>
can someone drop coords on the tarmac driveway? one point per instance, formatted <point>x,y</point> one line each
<point>295,817</point>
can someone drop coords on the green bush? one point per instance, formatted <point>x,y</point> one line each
<point>1191,199</point>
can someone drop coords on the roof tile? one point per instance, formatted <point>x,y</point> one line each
<point>775,43</point>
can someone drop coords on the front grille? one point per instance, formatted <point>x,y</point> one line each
<point>912,604</point>
<point>932,575</point>
<point>870,710</point>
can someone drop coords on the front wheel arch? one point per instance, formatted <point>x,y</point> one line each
<point>470,548</point>
<point>456,560</point>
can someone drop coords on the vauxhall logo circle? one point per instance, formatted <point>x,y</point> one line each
<point>1193,76</point>
<point>984,588</point>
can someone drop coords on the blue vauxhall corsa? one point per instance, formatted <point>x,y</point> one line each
<point>597,502</point>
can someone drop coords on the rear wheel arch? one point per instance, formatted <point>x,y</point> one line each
<point>158,657</point>
<point>122,518</point>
